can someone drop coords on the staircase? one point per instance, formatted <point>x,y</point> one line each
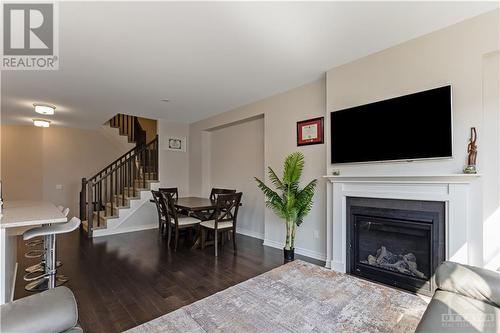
<point>115,192</point>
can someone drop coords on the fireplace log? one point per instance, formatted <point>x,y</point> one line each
<point>406,264</point>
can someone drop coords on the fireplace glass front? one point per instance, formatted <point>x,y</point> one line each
<point>400,247</point>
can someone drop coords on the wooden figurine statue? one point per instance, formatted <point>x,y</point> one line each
<point>472,151</point>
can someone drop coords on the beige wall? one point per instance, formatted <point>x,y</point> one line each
<point>35,160</point>
<point>22,162</point>
<point>281,113</point>
<point>173,165</point>
<point>464,55</point>
<point>237,155</point>
<point>461,55</point>
<point>150,126</point>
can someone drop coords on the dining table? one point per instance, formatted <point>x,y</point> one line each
<point>17,217</point>
<point>194,205</point>
<point>197,207</point>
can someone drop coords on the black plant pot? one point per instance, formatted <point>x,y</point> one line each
<point>288,255</point>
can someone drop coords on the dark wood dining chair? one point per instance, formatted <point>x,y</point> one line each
<point>214,193</point>
<point>175,194</point>
<point>218,191</point>
<point>161,208</point>
<point>177,222</point>
<point>225,217</point>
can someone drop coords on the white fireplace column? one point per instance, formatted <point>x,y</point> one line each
<point>453,190</point>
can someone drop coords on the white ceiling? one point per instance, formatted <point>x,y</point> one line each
<point>209,57</point>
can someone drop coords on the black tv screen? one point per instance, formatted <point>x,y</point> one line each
<point>409,127</point>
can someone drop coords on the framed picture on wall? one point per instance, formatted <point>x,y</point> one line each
<point>310,132</point>
<point>175,143</point>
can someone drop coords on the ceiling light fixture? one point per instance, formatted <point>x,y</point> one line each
<point>41,123</point>
<point>166,100</point>
<point>44,109</point>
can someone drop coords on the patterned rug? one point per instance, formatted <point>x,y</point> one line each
<point>297,297</point>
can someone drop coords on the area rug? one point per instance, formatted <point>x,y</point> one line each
<point>297,297</point>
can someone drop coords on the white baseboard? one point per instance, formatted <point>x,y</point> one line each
<point>115,231</point>
<point>249,233</point>
<point>298,250</point>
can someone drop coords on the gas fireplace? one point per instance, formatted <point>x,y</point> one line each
<point>396,242</point>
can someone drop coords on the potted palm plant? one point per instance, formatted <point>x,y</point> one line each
<point>293,203</point>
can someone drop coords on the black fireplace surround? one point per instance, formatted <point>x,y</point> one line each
<point>396,242</point>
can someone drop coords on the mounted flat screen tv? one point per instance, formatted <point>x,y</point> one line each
<point>415,126</point>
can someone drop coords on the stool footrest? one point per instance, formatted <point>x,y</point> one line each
<point>35,242</point>
<point>43,283</point>
<point>34,254</point>
<point>33,276</point>
<point>40,267</point>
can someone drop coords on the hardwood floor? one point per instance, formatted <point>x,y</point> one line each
<point>124,280</point>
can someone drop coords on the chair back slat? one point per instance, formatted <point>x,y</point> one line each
<point>218,191</point>
<point>160,203</point>
<point>170,190</point>
<point>169,200</point>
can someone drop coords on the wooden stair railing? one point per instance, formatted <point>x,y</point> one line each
<point>112,187</point>
<point>129,126</point>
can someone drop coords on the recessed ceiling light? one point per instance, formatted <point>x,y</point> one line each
<point>41,123</point>
<point>44,109</point>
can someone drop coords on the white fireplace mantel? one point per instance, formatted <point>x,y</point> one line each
<point>452,189</point>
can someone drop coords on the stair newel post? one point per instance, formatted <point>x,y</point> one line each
<point>133,129</point>
<point>116,186</point>
<point>90,210</point>
<point>129,176</point>
<point>99,202</point>
<point>125,168</point>
<point>105,196</point>
<point>119,192</point>
<point>83,200</point>
<point>143,155</point>
<point>128,128</point>
<point>111,188</point>
<point>122,192</point>
<point>148,154</point>
<point>157,144</point>
<point>133,173</point>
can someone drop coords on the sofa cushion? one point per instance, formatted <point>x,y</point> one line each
<point>53,310</point>
<point>478,283</point>
<point>451,312</point>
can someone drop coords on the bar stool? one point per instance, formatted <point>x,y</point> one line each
<point>49,279</point>
<point>37,253</point>
<point>39,241</point>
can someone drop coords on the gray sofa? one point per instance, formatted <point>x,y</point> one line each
<point>467,300</point>
<point>51,311</point>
